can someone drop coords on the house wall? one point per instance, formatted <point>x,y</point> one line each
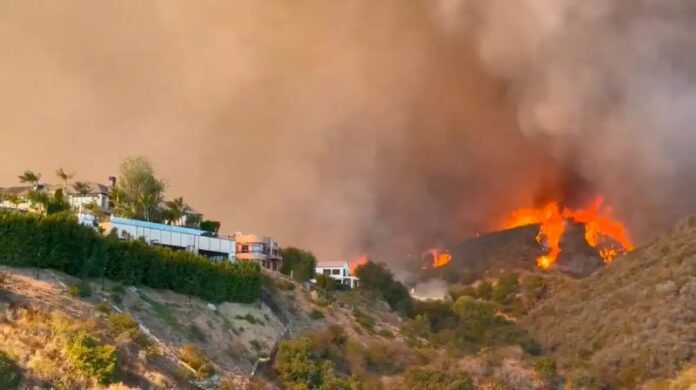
<point>340,273</point>
<point>173,236</point>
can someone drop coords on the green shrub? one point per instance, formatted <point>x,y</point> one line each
<point>3,280</point>
<point>316,314</point>
<point>545,366</point>
<point>364,320</point>
<point>376,278</point>
<point>118,288</point>
<point>298,367</point>
<point>103,307</point>
<point>120,323</point>
<point>196,359</point>
<point>298,263</point>
<point>60,242</point>
<point>80,289</point>
<point>380,359</point>
<point>91,358</point>
<point>10,373</point>
<point>250,319</point>
<point>484,290</point>
<point>431,379</point>
<point>326,283</point>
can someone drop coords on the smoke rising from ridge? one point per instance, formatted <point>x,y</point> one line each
<point>346,127</point>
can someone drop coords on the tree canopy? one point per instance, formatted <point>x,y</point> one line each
<point>138,193</point>
<point>298,263</point>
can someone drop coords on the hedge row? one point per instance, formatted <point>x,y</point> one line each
<point>60,242</point>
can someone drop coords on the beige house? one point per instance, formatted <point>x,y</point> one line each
<point>261,249</point>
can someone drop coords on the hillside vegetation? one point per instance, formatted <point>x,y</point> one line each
<point>629,322</point>
<point>59,242</point>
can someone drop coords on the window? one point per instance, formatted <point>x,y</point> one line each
<point>335,271</point>
<point>244,248</point>
<point>326,272</point>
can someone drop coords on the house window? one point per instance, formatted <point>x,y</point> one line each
<point>244,248</point>
<point>335,271</point>
<point>327,272</point>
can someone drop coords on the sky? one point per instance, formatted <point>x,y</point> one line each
<point>349,127</point>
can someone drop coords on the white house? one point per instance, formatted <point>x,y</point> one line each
<point>98,193</point>
<point>174,237</point>
<point>338,270</point>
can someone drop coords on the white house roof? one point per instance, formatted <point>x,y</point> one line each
<point>332,264</point>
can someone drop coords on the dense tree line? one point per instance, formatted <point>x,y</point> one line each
<point>60,242</point>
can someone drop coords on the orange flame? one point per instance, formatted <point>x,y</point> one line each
<point>439,258</point>
<point>362,260</point>
<point>598,225</point>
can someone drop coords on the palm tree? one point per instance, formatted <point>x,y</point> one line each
<point>39,200</point>
<point>30,177</point>
<point>82,188</point>
<point>64,176</point>
<point>175,210</point>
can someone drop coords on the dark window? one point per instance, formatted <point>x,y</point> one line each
<point>327,272</point>
<point>244,248</point>
<point>336,271</point>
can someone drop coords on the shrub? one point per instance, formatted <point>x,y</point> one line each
<point>3,280</point>
<point>545,366</point>
<point>250,319</point>
<point>298,263</point>
<point>484,290</point>
<point>60,242</point>
<point>326,283</point>
<point>316,314</point>
<point>10,374</point>
<point>103,307</point>
<point>196,359</point>
<point>378,279</point>
<point>91,358</point>
<point>364,320</point>
<point>380,359</point>
<point>80,289</point>
<point>430,379</point>
<point>298,367</point>
<point>120,323</point>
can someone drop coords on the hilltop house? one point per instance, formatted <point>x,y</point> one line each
<point>182,234</point>
<point>98,193</point>
<point>338,270</point>
<point>261,249</point>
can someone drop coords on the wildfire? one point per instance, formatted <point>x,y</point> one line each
<point>599,226</point>
<point>362,260</point>
<point>439,258</point>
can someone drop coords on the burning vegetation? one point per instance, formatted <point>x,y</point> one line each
<point>602,231</point>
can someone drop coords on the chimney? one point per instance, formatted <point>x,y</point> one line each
<point>112,181</point>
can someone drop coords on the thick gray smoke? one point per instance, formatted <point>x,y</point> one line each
<point>346,127</point>
<point>610,84</point>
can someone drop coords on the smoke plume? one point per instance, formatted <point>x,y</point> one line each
<point>346,127</point>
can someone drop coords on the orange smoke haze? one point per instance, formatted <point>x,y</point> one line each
<point>382,126</point>
<point>603,232</point>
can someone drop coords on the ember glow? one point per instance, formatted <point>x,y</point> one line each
<point>439,258</point>
<point>362,260</point>
<point>603,232</point>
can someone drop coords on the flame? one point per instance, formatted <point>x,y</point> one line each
<point>362,260</point>
<point>599,226</point>
<point>439,258</point>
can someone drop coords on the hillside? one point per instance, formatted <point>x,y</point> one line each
<point>631,321</point>
<point>40,318</point>
<point>517,248</point>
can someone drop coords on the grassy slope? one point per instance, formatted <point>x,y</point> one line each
<point>630,321</point>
